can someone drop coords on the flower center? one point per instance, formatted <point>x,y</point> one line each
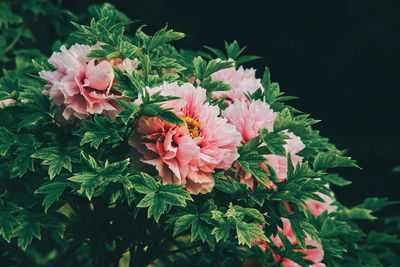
<point>192,126</point>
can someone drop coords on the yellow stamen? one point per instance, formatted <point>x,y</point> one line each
<point>192,126</point>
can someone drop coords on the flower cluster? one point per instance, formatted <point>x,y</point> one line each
<point>185,153</point>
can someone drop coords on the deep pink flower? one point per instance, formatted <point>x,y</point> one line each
<point>249,118</point>
<point>80,85</point>
<point>187,154</point>
<point>243,81</point>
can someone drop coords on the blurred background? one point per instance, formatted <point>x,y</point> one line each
<point>340,57</point>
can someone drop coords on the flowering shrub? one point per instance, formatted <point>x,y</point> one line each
<point>129,150</point>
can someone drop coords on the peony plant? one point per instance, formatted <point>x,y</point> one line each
<point>122,150</point>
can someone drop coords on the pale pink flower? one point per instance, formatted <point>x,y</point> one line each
<point>4,103</point>
<point>249,118</point>
<point>80,85</point>
<point>315,254</point>
<point>187,154</point>
<point>243,81</point>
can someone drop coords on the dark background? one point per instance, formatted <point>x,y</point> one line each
<point>341,58</point>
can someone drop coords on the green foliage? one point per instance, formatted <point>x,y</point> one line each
<point>99,130</point>
<point>162,198</point>
<point>233,51</point>
<point>80,188</point>
<point>57,158</point>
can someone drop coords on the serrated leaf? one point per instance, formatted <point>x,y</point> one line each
<point>7,139</point>
<point>170,194</point>
<point>376,204</point>
<point>298,231</point>
<point>52,191</point>
<point>155,110</point>
<point>8,221</point>
<point>27,145</point>
<point>330,159</point>
<point>163,36</point>
<point>97,131</point>
<point>222,231</point>
<point>144,183</point>
<point>25,232</point>
<point>246,232</point>
<point>202,231</point>
<point>334,178</point>
<point>89,181</point>
<point>56,158</point>
<point>274,141</point>
<point>250,164</point>
<point>183,223</point>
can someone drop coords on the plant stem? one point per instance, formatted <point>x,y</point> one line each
<point>17,37</point>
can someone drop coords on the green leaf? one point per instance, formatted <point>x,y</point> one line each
<point>158,202</point>
<point>183,223</point>
<point>52,191</point>
<point>204,69</point>
<point>376,204</point>
<point>244,59</point>
<point>334,178</point>
<point>163,36</point>
<point>298,231</point>
<point>7,139</point>
<point>25,232</point>
<point>222,232</point>
<point>254,214</point>
<point>202,231</point>
<point>27,145</point>
<point>250,164</point>
<point>212,86</point>
<point>156,205</point>
<point>330,159</point>
<point>358,213</point>
<point>8,221</point>
<point>216,51</point>
<point>89,181</point>
<point>144,183</point>
<point>274,141</point>
<point>155,110</point>
<point>56,158</point>
<point>97,131</point>
<point>128,84</point>
<point>9,88</point>
<point>246,232</point>
<point>113,172</point>
<point>271,90</point>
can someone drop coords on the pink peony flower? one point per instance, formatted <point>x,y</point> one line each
<point>243,81</point>
<point>318,207</point>
<point>249,118</point>
<point>187,154</point>
<point>315,254</point>
<point>81,85</point>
